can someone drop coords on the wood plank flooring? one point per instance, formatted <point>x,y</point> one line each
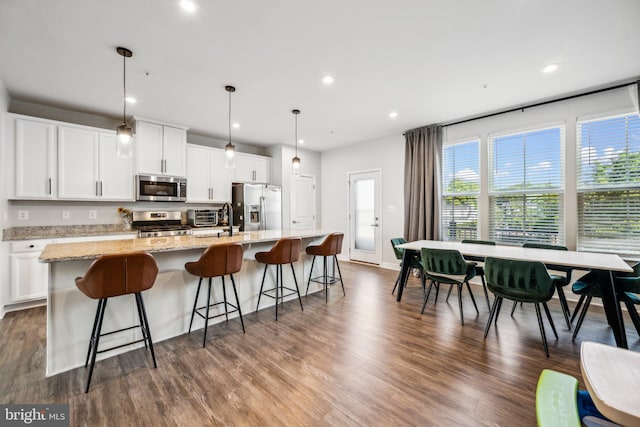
<point>360,360</point>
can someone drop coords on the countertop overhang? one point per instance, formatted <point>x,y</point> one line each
<point>60,252</point>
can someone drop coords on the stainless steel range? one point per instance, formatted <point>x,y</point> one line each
<point>159,224</point>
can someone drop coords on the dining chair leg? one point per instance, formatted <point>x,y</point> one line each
<point>486,293</point>
<point>581,317</point>
<point>459,285</point>
<point>449,293</point>
<point>633,313</point>
<point>550,319</point>
<point>513,308</point>
<point>472,297</point>
<point>541,325</point>
<point>437,285</point>
<point>431,283</point>
<point>564,305</point>
<point>313,261</point>
<point>492,313</point>
<point>577,309</point>
<point>498,311</point>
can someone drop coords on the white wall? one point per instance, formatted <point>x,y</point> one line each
<point>386,154</point>
<point>567,112</point>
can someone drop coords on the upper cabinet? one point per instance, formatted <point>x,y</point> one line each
<point>208,178</point>
<point>35,159</point>
<point>250,168</point>
<point>62,161</point>
<point>160,149</point>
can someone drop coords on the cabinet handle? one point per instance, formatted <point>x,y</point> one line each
<point>161,166</point>
<point>49,186</point>
<point>32,246</point>
<point>97,191</point>
<point>100,188</point>
<point>165,166</point>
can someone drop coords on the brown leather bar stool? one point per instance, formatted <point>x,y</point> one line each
<point>285,251</point>
<point>217,261</point>
<point>113,276</point>
<point>330,247</point>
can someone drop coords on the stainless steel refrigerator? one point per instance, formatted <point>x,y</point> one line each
<point>257,206</point>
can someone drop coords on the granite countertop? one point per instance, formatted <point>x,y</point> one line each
<point>62,231</point>
<point>59,252</point>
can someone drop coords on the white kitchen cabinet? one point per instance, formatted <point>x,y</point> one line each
<point>250,168</point>
<point>35,159</point>
<point>160,149</point>
<point>89,167</point>
<point>29,277</point>
<point>207,177</point>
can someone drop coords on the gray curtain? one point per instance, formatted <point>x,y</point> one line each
<point>422,182</point>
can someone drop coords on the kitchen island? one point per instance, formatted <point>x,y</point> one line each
<point>169,302</point>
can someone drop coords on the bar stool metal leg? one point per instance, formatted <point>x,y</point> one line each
<point>335,257</point>
<point>206,318</point>
<point>93,331</point>
<point>313,261</point>
<point>195,304</point>
<point>146,322</point>
<point>96,341</point>
<point>295,280</point>
<point>224,296</point>
<point>264,275</point>
<point>235,292</point>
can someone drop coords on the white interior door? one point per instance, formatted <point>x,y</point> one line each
<point>365,231</point>
<point>303,202</point>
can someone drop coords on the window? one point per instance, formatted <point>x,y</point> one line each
<point>526,186</point>
<point>609,184</point>
<point>461,186</point>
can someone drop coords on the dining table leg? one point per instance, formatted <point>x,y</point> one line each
<point>404,273</point>
<point>612,306</point>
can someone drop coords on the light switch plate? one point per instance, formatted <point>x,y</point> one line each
<point>66,214</point>
<point>93,214</point>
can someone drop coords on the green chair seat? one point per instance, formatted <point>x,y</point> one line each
<point>556,400</point>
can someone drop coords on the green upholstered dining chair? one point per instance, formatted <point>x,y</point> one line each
<point>560,281</point>
<point>480,267</point>
<point>627,288</point>
<point>520,281</point>
<point>416,262</point>
<point>449,267</point>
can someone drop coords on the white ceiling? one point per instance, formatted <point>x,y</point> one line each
<point>428,60</point>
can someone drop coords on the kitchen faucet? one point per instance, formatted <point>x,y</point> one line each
<point>229,208</point>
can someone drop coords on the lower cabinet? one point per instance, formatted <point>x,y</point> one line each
<point>29,277</point>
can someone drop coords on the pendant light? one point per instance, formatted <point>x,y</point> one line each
<point>296,160</point>
<point>123,131</point>
<point>230,149</point>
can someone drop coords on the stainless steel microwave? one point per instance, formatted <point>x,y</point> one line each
<point>161,188</point>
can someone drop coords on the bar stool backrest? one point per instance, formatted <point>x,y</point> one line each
<point>332,245</point>
<point>285,251</point>
<point>218,260</point>
<point>115,275</point>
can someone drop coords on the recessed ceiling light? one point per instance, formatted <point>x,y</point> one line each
<point>393,114</point>
<point>301,141</point>
<point>550,68</point>
<point>327,80</point>
<point>131,100</point>
<point>188,5</point>
<point>235,125</point>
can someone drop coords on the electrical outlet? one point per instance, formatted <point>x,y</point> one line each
<point>93,214</point>
<point>23,215</point>
<point>66,214</point>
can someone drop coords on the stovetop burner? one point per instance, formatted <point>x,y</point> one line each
<point>159,224</point>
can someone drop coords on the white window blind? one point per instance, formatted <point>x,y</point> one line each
<point>460,189</point>
<point>609,184</point>
<point>526,186</point>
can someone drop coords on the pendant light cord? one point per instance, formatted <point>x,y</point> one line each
<point>296,135</point>
<point>124,88</point>
<point>229,117</point>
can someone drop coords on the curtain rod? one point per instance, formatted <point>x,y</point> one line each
<point>538,104</point>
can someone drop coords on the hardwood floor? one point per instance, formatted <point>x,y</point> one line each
<point>363,359</point>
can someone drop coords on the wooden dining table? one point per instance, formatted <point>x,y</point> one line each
<point>612,377</point>
<point>603,265</point>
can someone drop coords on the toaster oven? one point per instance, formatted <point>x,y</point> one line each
<point>202,217</point>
